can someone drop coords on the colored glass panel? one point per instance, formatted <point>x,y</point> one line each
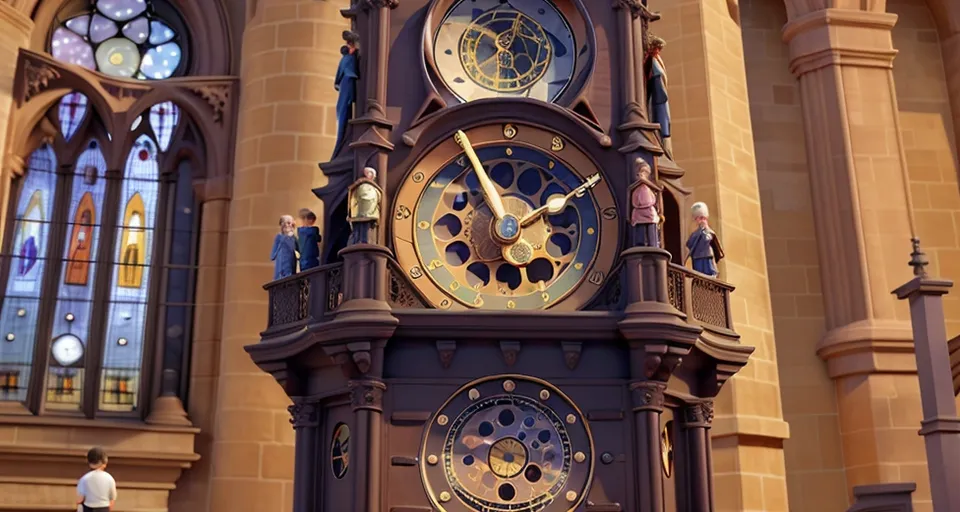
<point>163,120</point>
<point>72,110</point>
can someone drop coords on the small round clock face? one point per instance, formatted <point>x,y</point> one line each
<point>518,48</point>
<point>67,349</point>
<point>458,253</point>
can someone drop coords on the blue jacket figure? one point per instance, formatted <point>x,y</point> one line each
<point>658,101</point>
<point>284,253</point>
<point>308,237</point>
<point>703,246</point>
<point>348,72</point>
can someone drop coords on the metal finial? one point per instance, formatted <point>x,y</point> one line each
<point>918,260</point>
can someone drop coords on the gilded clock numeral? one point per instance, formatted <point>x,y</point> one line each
<point>509,131</point>
<point>509,151</point>
<point>609,213</point>
<point>556,144</point>
<point>416,273</point>
<point>591,231</point>
<point>402,213</point>
<point>454,286</point>
<point>418,177</point>
<point>545,296</point>
<point>423,224</point>
<point>578,265</point>
<point>445,304</point>
<point>550,165</point>
<point>461,162</point>
<point>434,264</point>
<point>511,304</point>
<point>596,278</point>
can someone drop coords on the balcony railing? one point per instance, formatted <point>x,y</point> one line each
<point>315,295</point>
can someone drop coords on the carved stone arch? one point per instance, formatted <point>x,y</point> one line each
<point>186,146</point>
<point>210,38</point>
<point>193,110</point>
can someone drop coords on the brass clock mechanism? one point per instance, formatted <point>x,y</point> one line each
<point>507,443</point>
<point>506,217</point>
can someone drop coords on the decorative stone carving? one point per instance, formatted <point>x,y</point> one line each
<point>401,296</point>
<point>37,78</point>
<point>367,394</point>
<point>218,96</point>
<point>304,414</point>
<point>571,353</point>
<point>699,414</point>
<point>660,367</point>
<point>446,349</point>
<point>647,395</point>
<point>510,349</point>
<point>638,9</point>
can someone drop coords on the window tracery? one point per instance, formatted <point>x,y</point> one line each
<point>141,39</point>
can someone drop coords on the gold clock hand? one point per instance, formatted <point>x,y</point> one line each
<point>489,190</point>
<point>555,205</point>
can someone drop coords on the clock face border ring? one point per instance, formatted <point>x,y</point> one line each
<point>402,229</point>
<point>441,454</point>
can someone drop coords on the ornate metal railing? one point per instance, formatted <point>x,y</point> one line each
<point>702,298</point>
<point>304,297</point>
<point>401,293</point>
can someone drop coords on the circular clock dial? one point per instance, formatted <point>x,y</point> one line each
<point>507,443</point>
<point>490,48</point>
<point>67,349</point>
<point>446,229</point>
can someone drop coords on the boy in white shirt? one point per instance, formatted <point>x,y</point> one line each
<point>97,490</point>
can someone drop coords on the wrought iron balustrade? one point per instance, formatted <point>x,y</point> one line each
<point>305,297</point>
<point>703,299</point>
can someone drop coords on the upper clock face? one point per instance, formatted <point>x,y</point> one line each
<point>537,228</point>
<point>67,349</point>
<point>519,48</point>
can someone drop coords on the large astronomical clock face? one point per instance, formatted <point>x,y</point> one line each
<point>507,443</point>
<point>517,48</point>
<point>535,228</point>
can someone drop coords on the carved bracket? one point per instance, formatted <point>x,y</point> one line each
<point>637,9</point>
<point>304,415</point>
<point>647,396</point>
<point>446,349</point>
<point>367,394</point>
<point>37,78</point>
<point>571,353</point>
<point>218,96</point>
<point>510,350</point>
<point>698,415</point>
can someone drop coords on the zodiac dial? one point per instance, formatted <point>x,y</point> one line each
<point>505,217</point>
<point>507,443</point>
<point>492,48</point>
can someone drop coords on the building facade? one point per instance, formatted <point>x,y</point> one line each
<point>149,147</point>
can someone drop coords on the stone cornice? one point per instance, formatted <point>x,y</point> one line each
<point>831,37</point>
<point>869,346</point>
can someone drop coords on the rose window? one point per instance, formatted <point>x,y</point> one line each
<point>122,38</point>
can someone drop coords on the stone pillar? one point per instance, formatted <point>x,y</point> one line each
<point>367,402</point>
<point>695,423</point>
<point>15,29</point>
<point>843,60</point>
<point>940,426</point>
<point>647,406</point>
<point>286,124</point>
<point>950,50</point>
<point>305,418</point>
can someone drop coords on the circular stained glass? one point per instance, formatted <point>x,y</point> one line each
<point>507,443</point>
<point>122,38</point>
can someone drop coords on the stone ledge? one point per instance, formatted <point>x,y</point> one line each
<point>840,37</point>
<point>749,426</point>
<point>869,346</point>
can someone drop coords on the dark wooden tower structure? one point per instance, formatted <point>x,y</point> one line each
<point>485,332</point>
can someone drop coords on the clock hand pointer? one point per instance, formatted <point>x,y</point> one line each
<point>489,190</point>
<point>556,205</point>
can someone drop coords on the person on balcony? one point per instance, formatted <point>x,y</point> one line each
<point>308,239</point>
<point>703,245</point>
<point>284,253</point>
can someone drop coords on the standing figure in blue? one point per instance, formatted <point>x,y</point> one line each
<point>703,246</point>
<point>658,103</point>
<point>284,253</point>
<point>308,237</point>
<point>348,72</point>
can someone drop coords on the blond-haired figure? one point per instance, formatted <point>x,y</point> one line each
<point>364,207</point>
<point>284,253</point>
<point>703,246</point>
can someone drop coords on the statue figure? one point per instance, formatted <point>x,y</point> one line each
<point>364,202</point>
<point>703,246</point>
<point>284,253</point>
<point>658,103</point>
<point>348,72</point>
<point>644,204</point>
<point>308,238</point>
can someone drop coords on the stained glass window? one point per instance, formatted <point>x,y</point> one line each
<point>73,108</point>
<point>127,317</point>
<point>122,38</point>
<point>21,302</point>
<point>74,311</point>
<point>163,120</point>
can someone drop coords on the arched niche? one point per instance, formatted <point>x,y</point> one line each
<point>672,227</point>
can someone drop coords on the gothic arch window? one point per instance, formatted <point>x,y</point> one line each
<point>142,39</point>
<point>101,262</point>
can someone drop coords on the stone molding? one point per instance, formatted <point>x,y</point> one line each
<point>304,414</point>
<point>648,396</point>
<point>868,346</point>
<point>13,18</point>
<point>698,414</point>
<point>847,37</point>
<point>367,394</point>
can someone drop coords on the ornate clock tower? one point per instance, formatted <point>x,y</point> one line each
<point>488,330</point>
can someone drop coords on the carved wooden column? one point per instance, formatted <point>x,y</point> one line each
<point>305,418</point>
<point>940,426</point>
<point>367,402</point>
<point>647,405</point>
<point>696,420</point>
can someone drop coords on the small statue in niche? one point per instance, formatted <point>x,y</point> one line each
<point>658,103</point>
<point>348,72</point>
<point>644,202</point>
<point>703,246</point>
<point>308,238</point>
<point>364,202</point>
<point>285,247</point>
